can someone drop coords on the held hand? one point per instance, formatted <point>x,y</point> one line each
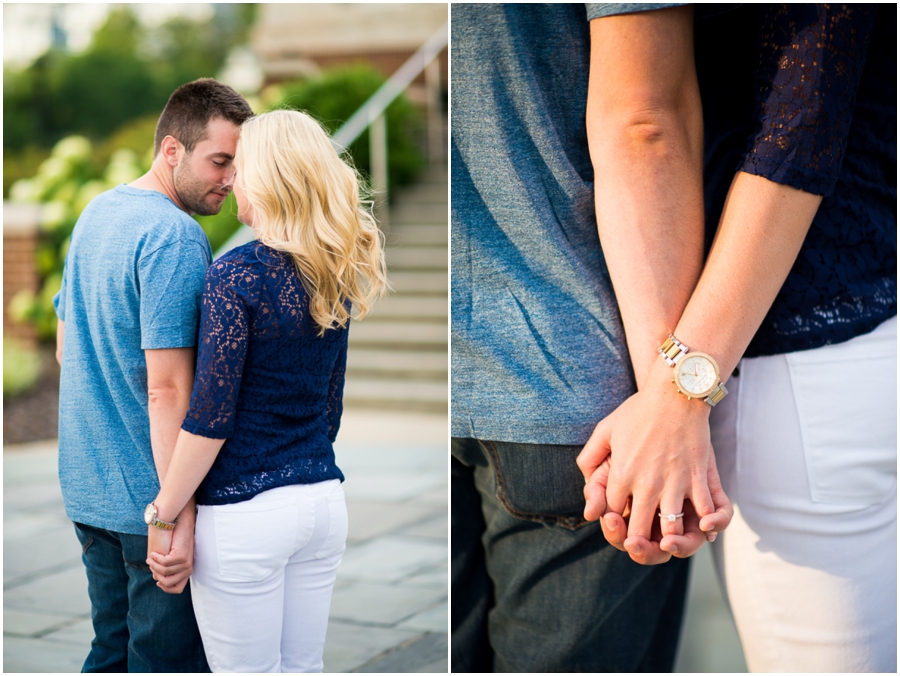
<point>172,568</point>
<point>709,526</point>
<point>663,463</point>
<point>661,445</point>
<point>658,549</point>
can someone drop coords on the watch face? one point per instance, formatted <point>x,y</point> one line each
<point>149,513</point>
<point>697,375</point>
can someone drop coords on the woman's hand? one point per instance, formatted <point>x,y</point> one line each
<point>660,460</point>
<point>170,554</point>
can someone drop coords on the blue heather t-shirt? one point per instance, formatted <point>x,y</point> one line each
<point>538,349</point>
<point>132,282</point>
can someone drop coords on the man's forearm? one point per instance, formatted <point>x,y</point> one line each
<point>645,133</point>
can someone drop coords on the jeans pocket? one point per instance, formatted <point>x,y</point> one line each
<point>332,548</point>
<point>539,482</point>
<point>847,404</point>
<point>254,540</point>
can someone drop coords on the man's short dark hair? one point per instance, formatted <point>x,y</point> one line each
<point>192,106</point>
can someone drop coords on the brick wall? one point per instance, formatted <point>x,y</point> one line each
<point>20,235</point>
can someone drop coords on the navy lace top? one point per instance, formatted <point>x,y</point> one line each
<point>266,381</point>
<point>806,95</point>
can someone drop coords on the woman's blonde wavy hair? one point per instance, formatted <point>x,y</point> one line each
<point>306,202</point>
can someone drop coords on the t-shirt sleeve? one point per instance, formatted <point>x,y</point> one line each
<point>222,351</point>
<point>171,282</point>
<point>810,61</point>
<point>59,300</point>
<point>597,10</point>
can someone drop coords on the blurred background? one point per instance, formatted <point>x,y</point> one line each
<point>83,87</point>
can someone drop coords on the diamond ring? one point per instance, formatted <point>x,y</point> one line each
<point>671,517</point>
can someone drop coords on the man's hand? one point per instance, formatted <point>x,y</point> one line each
<point>170,554</point>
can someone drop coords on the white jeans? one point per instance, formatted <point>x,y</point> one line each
<point>806,445</point>
<point>263,574</point>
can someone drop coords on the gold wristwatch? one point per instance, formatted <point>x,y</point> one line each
<point>696,374</point>
<point>150,514</point>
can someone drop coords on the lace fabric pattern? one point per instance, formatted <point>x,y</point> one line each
<point>265,380</point>
<point>826,124</point>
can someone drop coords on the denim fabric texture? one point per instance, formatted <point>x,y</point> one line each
<point>535,588</point>
<point>137,626</point>
<point>132,282</point>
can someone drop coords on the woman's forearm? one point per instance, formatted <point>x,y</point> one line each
<point>191,461</point>
<point>762,228</point>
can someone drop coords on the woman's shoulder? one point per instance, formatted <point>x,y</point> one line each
<point>253,258</point>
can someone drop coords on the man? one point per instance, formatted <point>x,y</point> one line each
<point>128,315</point>
<point>539,348</point>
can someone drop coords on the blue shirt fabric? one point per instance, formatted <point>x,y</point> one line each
<point>132,282</point>
<point>265,381</point>
<point>805,95</point>
<point>538,350</point>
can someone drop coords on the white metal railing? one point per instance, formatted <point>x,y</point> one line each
<point>372,115</point>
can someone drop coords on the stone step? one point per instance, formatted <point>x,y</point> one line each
<point>416,235</point>
<point>396,394</point>
<point>399,335</point>
<point>413,257</point>
<point>418,282</point>
<point>422,365</point>
<point>425,213</point>
<point>415,308</point>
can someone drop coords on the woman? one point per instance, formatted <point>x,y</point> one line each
<point>256,444</point>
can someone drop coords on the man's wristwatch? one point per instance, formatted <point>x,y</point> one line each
<point>150,514</point>
<point>696,374</point>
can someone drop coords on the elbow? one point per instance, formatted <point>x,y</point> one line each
<point>167,395</point>
<point>645,131</point>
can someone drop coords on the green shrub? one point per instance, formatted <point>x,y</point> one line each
<point>21,367</point>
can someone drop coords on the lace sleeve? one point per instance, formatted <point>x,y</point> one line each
<point>811,58</point>
<point>224,322</point>
<point>336,393</point>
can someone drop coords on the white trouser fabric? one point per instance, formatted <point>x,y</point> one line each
<point>806,445</point>
<point>263,574</point>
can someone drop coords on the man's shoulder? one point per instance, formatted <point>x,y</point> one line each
<point>149,214</point>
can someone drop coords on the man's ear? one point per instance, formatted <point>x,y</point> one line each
<point>172,150</point>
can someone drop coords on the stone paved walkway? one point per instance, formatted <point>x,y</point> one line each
<point>389,611</point>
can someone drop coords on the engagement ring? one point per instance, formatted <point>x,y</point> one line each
<point>671,517</point>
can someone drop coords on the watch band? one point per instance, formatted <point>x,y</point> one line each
<point>673,350</point>
<point>717,395</point>
<point>162,525</point>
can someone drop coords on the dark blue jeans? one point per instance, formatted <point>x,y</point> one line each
<point>137,626</point>
<point>535,588</point>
